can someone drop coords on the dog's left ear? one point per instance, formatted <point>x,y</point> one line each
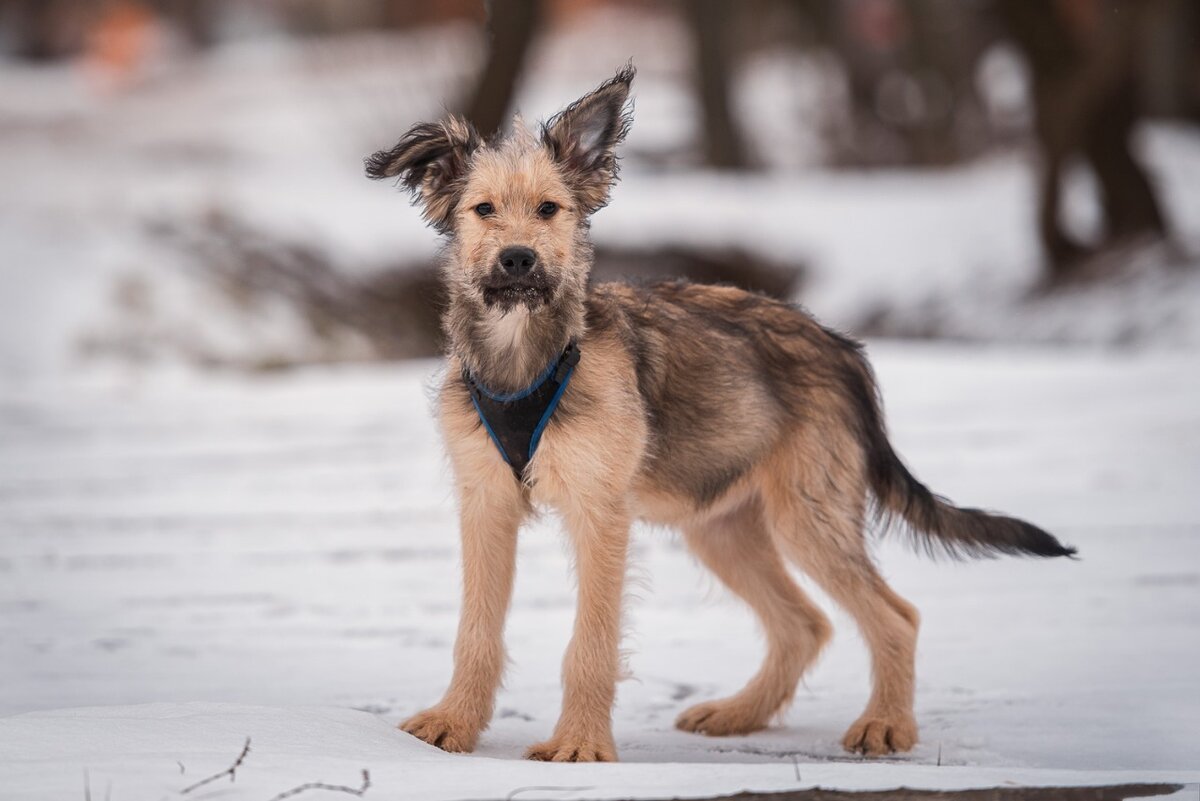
<point>582,139</point>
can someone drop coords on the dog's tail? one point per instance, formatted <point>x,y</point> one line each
<point>935,522</point>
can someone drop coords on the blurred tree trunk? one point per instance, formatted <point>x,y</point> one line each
<point>44,30</point>
<point>197,20</point>
<point>910,69</point>
<point>511,26</point>
<point>1172,82</point>
<point>1084,59</point>
<point>947,41</point>
<point>724,146</point>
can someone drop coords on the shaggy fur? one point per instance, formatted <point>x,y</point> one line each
<point>737,419</point>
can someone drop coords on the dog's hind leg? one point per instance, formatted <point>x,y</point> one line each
<point>816,513</point>
<point>737,548</point>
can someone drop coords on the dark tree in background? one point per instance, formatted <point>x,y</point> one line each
<point>197,20</point>
<point>43,30</point>
<point>713,72</point>
<point>909,68</point>
<point>1172,75</point>
<point>511,26</point>
<point>1084,56</point>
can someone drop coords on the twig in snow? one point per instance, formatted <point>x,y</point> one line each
<point>939,764</point>
<point>87,786</point>
<point>544,788</point>
<point>182,769</point>
<point>336,788</point>
<point>229,771</point>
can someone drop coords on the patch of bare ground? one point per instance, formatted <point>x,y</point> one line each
<point>1118,792</point>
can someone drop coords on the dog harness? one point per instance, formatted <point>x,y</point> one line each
<point>515,420</point>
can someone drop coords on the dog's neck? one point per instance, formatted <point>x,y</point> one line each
<point>506,351</point>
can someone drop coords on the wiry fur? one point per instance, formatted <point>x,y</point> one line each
<point>733,417</point>
<point>431,161</point>
<point>582,139</point>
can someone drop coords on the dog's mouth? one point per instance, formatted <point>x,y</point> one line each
<point>505,293</point>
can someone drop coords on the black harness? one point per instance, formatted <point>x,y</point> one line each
<point>515,420</point>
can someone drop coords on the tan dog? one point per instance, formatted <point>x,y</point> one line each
<point>737,419</point>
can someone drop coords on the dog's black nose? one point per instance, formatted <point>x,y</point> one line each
<point>517,261</point>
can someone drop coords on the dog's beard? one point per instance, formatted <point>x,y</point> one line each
<point>505,293</point>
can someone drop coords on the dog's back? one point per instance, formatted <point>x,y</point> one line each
<point>727,376</point>
<point>715,396</point>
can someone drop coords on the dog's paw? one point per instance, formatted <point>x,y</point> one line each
<point>873,735</point>
<point>442,729</point>
<point>574,749</point>
<point>720,718</point>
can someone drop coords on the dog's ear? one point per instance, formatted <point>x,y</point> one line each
<point>582,138</point>
<point>431,161</point>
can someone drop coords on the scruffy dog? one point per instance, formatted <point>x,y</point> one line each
<point>735,418</point>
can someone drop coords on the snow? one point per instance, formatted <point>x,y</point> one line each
<point>188,562</point>
<point>163,748</point>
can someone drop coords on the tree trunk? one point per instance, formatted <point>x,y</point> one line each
<point>1084,57</point>
<point>724,146</point>
<point>197,21</point>
<point>46,30</point>
<point>511,28</point>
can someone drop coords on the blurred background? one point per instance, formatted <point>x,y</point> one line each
<point>182,179</point>
<point>219,478</point>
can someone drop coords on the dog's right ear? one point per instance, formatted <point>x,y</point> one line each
<point>431,161</point>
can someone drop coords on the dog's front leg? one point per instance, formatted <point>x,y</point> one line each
<point>490,516</point>
<point>592,662</point>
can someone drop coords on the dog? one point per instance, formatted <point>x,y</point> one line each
<point>732,417</point>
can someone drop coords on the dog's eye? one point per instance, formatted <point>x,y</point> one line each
<point>485,209</point>
<point>547,209</point>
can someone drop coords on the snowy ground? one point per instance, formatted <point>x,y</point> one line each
<point>280,551</point>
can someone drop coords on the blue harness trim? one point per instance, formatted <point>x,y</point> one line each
<point>515,421</point>
<point>524,393</point>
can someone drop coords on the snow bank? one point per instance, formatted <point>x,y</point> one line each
<point>156,750</point>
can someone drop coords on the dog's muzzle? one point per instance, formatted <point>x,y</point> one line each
<point>505,291</point>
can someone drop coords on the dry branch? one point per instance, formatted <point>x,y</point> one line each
<point>535,788</point>
<point>229,771</point>
<point>336,788</point>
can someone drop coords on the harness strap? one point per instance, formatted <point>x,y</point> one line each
<point>516,420</point>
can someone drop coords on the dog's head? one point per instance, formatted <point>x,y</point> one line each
<point>516,210</point>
